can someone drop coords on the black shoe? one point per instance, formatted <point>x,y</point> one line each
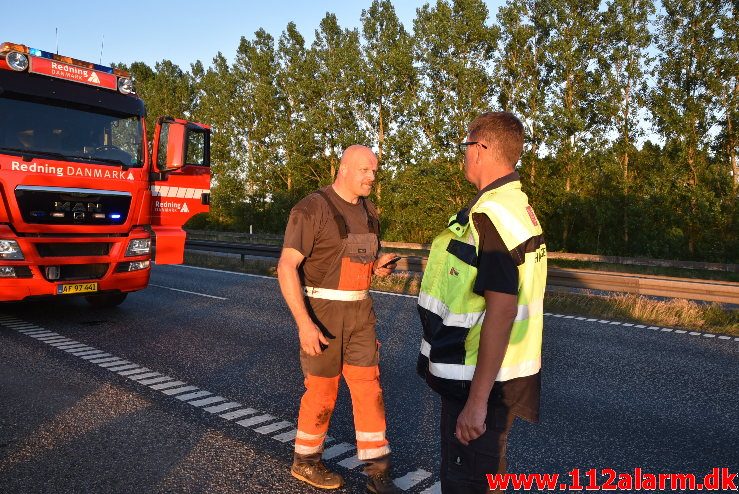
<point>317,475</point>
<point>381,483</point>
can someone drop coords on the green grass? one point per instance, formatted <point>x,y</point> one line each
<point>674,313</point>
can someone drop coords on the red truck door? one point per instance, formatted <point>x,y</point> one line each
<point>180,183</point>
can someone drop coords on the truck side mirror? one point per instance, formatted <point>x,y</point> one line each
<point>178,143</point>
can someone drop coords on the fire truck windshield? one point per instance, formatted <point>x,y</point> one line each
<point>33,127</point>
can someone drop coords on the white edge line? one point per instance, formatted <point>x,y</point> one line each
<point>185,291</point>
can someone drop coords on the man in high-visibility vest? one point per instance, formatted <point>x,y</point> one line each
<point>481,307</point>
<point>329,255</point>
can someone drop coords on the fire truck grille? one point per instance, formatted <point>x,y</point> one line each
<point>69,206</point>
<point>69,272</point>
<point>73,249</point>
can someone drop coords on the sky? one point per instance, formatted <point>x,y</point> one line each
<point>183,31</point>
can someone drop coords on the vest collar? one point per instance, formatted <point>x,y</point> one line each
<point>463,217</point>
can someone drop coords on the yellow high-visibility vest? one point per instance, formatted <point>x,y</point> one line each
<point>452,314</point>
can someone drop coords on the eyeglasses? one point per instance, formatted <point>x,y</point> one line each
<point>462,146</point>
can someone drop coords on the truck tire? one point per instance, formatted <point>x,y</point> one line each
<point>103,300</point>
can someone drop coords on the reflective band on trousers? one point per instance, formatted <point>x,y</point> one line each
<point>370,436</point>
<point>308,450</point>
<point>370,453</point>
<point>461,372</point>
<point>309,437</point>
<point>329,294</point>
<point>535,308</point>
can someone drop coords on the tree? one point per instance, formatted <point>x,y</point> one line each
<point>214,91</point>
<point>390,87</point>
<point>454,47</point>
<point>338,81</point>
<point>626,39</point>
<point>571,119</point>
<point>522,76</point>
<point>684,104</point>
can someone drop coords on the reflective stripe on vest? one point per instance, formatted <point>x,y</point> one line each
<point>461,372</point>
<point>534,309</point>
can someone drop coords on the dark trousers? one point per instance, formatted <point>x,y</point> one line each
<point>464,468</point>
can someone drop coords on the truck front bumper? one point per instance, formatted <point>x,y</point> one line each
<point>51,262</point>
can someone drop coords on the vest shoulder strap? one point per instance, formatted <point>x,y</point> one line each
<point>338,218</point>
<point>373,223</point>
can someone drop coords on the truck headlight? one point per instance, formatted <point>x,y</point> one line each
<point>10,250</point>
<point>138,247</point>
<point>7,272</point>
<point>16,61</point>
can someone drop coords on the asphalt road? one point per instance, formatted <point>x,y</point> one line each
<point>79,414</point>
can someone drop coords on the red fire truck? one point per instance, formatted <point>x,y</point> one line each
<point>85,205</point>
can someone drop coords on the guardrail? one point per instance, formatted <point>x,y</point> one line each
<point>274,239</point>
<point>660,286</point>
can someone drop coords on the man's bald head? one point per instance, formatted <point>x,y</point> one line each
<point>356,172</point>
<point>356,152</point>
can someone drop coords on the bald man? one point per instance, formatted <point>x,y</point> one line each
<point>329,255</point>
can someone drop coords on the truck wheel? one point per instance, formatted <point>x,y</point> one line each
<point>106,299</point>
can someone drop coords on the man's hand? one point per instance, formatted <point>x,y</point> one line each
<point>471,422</point>
<point>381,269</point>
<point>311,338</point>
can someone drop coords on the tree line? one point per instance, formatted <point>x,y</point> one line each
<point>630,110</point>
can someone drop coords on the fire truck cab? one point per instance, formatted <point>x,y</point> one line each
<point>84,205</point>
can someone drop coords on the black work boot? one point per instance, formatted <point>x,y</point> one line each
<point>381,483</point>
<point>317,475</point>
<point>378,476</point>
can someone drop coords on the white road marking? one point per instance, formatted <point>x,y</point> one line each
<point>72,346</point>
<point>277,426</point>
<point>434,489</point>
<point>96,355</point>
<point>337,450</point>
<point>176,391</point>
<point>117,363</point>
<point>106,359</point>
<point>62,343</point>
<point>352,462</point>
<point>133,371</point>
<point>85,353</point>
<point>78,350</point>
<point>155,380</point>
<point>255,420</point>
<point>192,396</point>
<point>222,407</point>
<point>411,478</point>
<point>186,291</point>
<point>654,328</point>
<point>166,385</point>
<point>123,367</point>
<point>286,436</point>
<point>238,413</point>
<point>145,375</point>
<point>206,401</point>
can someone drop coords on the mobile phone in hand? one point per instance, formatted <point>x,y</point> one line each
<point>391,261</point>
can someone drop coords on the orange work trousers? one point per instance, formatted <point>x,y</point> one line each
<point>352,352</point>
